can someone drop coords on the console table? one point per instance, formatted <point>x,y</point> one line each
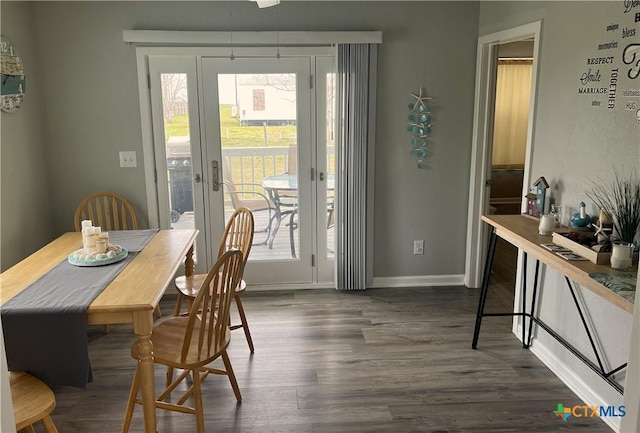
<point>522,232</point>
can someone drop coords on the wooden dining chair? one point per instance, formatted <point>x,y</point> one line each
<point>238,234</point>
<point>109,211</point>
<point>33,401</point>
<point>191,343</point>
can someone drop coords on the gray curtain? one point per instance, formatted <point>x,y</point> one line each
<point>353,139</point>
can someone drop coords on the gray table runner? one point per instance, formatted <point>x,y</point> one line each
<point>45,325</point>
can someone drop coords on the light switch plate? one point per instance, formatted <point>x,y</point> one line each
<point>128,159</point>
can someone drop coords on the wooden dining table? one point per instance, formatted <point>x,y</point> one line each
<point>130,298</point>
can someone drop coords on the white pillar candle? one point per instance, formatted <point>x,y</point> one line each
<point>101,245</point>
<point>105,236</point>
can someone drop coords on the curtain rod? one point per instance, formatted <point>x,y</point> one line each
<point>267,38</point>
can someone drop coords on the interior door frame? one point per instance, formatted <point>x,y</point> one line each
<point>486,64</point>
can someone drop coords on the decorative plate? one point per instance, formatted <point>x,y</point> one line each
<point>114,254</point>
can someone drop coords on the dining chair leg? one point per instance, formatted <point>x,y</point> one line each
<point>131,403</point>
<point>49,426</point>
<point>29,429</point>
<point>197,397</point>
<point>169,376</point>
<point>106,329</point>
<point>243,320</point>
<point>158,312</point>
<point>176,311</point>
<point>232,377</point>
<point>189,304</point>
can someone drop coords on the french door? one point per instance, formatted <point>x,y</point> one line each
<point>253,132</point>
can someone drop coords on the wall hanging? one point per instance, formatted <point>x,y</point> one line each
<point>13,78</point>
<point>419,127</point>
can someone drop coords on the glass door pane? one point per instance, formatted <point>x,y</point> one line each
<point>178,159</point>
<point>325,185</point>
<point>330,161</point>
<point>175,104</point>
<point>259,139</point>
<point>257,117</point>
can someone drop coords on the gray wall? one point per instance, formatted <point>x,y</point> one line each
<point>573,143</point>
<point>25,215</point>
<point>91,110</point>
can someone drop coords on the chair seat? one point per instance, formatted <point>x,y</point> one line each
<point>168,338</point>
<point>33,401</point>
<point>188,286</point>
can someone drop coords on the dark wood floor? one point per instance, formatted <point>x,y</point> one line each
<point>383,360</point>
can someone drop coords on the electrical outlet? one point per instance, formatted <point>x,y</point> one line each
<point>128,159</point>
<point>418,247</point>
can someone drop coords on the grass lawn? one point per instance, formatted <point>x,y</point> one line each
<point>236,135</point>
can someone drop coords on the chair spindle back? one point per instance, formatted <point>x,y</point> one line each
<point>106,210</point>
<point>209,315</point>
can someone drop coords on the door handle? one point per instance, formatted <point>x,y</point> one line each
<point>215,177</point>
<point>321,176</point>
<point>197,178</point>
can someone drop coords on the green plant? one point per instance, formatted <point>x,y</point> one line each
<point>620,200</point>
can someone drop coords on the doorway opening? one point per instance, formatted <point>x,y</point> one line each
<point>509,143</point>
<point>482,149</point>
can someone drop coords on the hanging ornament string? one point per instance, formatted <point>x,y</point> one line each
<point>277,33</point>
<point>232,56</point>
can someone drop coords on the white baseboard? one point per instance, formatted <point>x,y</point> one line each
<point>573,381</point>
<point>379,282</point>
<point>419,281</point>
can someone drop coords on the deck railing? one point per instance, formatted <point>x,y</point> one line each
<point>252,164</point>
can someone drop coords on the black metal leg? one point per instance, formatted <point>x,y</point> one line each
<point>527,336</point>
<point>292,227</point>
<point>277,217</point>
<point>524,298</point>
<point>586,326</point>
<point>485,286</point>
<point>533,303</point>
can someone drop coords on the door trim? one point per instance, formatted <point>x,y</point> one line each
<point>481,144</point>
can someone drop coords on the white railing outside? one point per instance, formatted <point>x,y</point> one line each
<point>252,164</point>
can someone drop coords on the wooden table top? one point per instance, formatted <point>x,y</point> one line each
<point>138,287</point>
<point>522,232</point>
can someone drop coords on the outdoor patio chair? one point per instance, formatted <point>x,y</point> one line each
<point>251,196</point>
